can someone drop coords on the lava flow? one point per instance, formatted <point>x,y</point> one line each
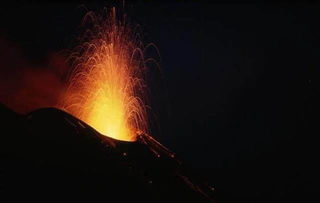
<point>106,85</point>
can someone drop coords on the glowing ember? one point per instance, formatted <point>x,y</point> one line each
<point>106,85</point>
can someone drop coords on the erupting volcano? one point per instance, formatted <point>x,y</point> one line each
<point>49,153</point>
<point>106,86</point>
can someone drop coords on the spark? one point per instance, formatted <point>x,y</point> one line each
<point>106,86</point>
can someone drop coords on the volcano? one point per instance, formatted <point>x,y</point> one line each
<point>49,155</point>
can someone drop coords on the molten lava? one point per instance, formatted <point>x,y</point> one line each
<point>106,86</point>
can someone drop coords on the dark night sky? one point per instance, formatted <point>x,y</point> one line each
<point>238,85</point>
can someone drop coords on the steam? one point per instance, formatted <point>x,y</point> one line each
<point>24,85</point>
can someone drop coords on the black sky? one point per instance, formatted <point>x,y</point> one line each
<point>235,101</point>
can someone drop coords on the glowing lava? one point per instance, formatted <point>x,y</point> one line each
<point>106,86</point>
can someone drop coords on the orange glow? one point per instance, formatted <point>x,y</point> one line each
<point>106,86</point>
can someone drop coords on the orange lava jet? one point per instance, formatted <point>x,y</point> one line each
<point>106,86</point>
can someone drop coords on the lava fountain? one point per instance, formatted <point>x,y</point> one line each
<point>106,87</point>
